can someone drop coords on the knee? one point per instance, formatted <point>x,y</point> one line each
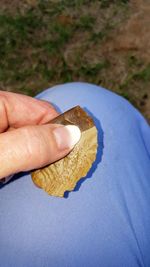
<point>109,106</point>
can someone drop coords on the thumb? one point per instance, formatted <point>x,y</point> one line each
<point>33,147</point>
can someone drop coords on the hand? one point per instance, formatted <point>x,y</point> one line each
<point>26,141</point>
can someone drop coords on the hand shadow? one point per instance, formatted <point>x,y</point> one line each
<point>98,156</point>
<point>14,178</point>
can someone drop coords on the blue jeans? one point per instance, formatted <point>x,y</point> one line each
<point>106,220</point>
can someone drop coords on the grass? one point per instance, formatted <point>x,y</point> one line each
<point>86,22</point>
<point>93,70</point>
<point>20,32</point>
<point>52,42</point>
<point>139,76</point>
<point>107,3</point>
<point>143,75</point>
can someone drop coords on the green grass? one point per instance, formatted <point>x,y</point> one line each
<point>53,8</point>
<point>107,3</point>
<point>97,36</point>
<point>53,43</point>
<point>143,75</point>
<point>86,22</point>
<point>137,76</point>
<point>21,26</point>
<point>93,70</point>
<point>59,35</point>
<point>18,33</point>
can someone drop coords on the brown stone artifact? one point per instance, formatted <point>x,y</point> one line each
<point>63,175</point>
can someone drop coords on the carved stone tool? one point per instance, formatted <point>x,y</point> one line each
<point>63,175</point>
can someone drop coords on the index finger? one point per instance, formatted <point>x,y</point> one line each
<point>18,110</point>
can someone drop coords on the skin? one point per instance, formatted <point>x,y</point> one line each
<point>26,141</point>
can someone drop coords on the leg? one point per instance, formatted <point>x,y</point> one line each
<point>107,221</point>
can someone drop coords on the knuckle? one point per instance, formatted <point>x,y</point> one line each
<point>40,147</point>
<point>36,148</point>
<point>30,140</point>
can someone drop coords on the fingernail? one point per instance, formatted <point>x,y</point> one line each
<point>67,136</point>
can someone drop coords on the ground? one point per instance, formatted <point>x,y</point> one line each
<point>43,43</point>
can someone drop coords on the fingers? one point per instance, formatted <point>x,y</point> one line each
<point>33,147</point>
<point>18,110</point>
